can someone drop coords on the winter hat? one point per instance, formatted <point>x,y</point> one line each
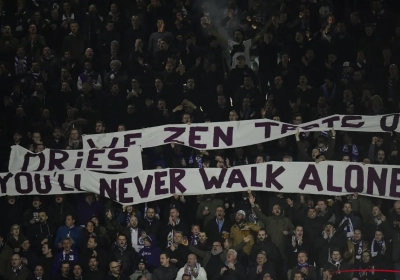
<point>241,212</point>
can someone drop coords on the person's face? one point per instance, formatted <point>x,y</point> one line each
<point>191,260</point>
<point>299,37</point>
<point>42,217</point>
<point>65,268</point>
<point>298,120</point>
<point>230,257</point>
<point>247,82</point>
<point>190,84</point>
<point>220,213</point>
<point>66,244</point>
<point>69,222</point>
<point>381,156</point>
<point>259,159</point>
<point>74,27</point>
<point>150,213</point>
<point>115,268</point>
<point>238,36</point>
<point>278,81</point>
<point>239,218</point>
<point>202,237</point>
<point>17,137</point>
<point>216,246</point>
<point>160,24</point>
<point>221,100</point>
<point>303,80</point>
<point>285,58</point>
<point>74,135</point>
<point>164,261</point>
<point>121,240</point>
<point>93,264</point>
<point>328,229</point>
<point>20,52</point>
<point>246,103</point>
<point>186,118</point>
<point>366,257</point>
<point>134,222</point>
<point>99,128</point>
<point>36,68</point>
<point>240,62</point>
<point>261,259</point>
<point>336,256</point>
<point>173,213</point>
<point>39,271</point>
<point>36,138</point>
<point>158,84</point>
<point>114,8</point>
<point>130,109</point>
<point>25,245</point>
<point>299,232</point>
<point>195,230</point>
<point>397,208</point>
<point>369,30</point>
<point>45,249</point>
<point>261,236</point>
<point>302,258</point>
<point>276,210</point>
<point>378,236</point>
<point>178,238</point>
<point>121,128</point>
<point>311,213</point>
<point>233,116</point>
<point>346,158</point>
<point>357,234</point>
<point>141,266</point>
<point>376,211</point>
<point>77,271</point>
<point>89,53</point>
<point>90,227</point>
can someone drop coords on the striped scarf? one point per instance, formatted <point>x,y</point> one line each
<point>20,65</point>
<point>195,270</point>
<point>377,247</point>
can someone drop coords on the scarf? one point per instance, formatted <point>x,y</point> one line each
<point>123,248</point>
<point>216,252</point>
<point>128,218</point>
<point>360,248</point>
<point>349,227</point>
<point>36,75</point>
<point>302,265</point>
<point>378,221</point>
<point>198,159</point>
<point>170,236</point>
<point>195,239</point>
<point>296,241</point>
<point>354,151</point>
<point>194,270</point>
<point>20,65</point>
<point>376,247</point>
<point>336,264</point>
<point>68,257</point>
<point>253,218</point>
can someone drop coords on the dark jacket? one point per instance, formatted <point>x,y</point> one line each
<point>127,257</point>
<point>324,247</point>
<point>22,274</point>
<point>165,273</point>
<point>238,274</point>
<point>212,230</point>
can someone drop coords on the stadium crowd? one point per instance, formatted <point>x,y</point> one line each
<point>82,66</point>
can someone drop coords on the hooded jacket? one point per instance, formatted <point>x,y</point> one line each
<point>151,254</point>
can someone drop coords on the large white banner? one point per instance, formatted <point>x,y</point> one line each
<point>117,160</point>
<point>221,135</point>
<point>327,178</point>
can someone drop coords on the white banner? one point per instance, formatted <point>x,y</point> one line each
<point>327,178</point>
<point>222,135</point>
<point>117,160</point>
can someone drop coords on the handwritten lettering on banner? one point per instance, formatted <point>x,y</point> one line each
<point>118,160</point>
<point>222,135</point>
<point>327,178</point>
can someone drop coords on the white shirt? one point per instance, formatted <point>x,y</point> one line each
<point>134,239</point>
<point>201,276</point>
<point>246,53</point>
